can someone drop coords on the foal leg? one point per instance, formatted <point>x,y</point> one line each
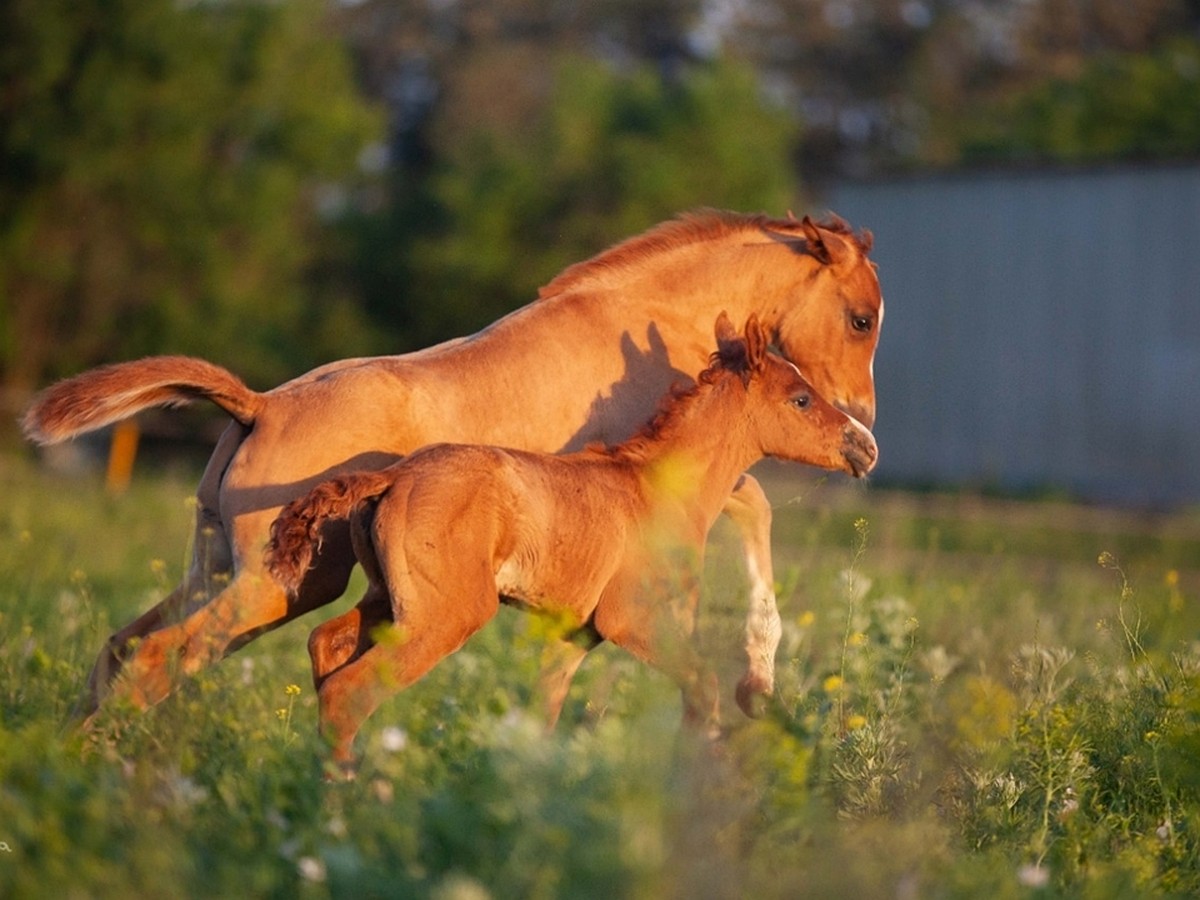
<point>750,511</point>
<point>334,643</point>
<point>561,658</point>
<point>672,652</point>
<point>660,634</point>
<point>430,630</point>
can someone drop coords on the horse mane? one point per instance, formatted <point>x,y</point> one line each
<point>688,228</point>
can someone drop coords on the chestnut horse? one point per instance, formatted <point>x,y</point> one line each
<point>597,538</point>
<point>587,361</point>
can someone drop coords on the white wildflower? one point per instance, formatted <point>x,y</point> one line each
<point>311,868</point>
<point>393,739</point>
<point>1033,875</point>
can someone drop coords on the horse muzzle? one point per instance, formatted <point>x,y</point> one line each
<point>864,414</point>
<point>859,449</point>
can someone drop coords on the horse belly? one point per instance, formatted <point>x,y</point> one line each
<point>525,584</point>
<point>553,580</point>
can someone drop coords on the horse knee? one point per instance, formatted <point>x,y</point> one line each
<point>332,644</point>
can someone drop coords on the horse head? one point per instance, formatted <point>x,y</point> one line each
<point>831,329</point>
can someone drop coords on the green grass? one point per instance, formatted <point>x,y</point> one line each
<point>970,703</point>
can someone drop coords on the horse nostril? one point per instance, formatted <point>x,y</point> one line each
<point>861,448</point>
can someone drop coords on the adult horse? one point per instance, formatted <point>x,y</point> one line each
<point>587,361</point>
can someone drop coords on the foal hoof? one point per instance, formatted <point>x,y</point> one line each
<point>752,696</point>
<point>340,771</point>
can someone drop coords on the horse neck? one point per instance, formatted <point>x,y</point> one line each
<point>701,448</point>
<point>683,287</point>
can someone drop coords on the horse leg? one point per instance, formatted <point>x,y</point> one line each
<point>560,659</point>
<point>672,652</point>
<point>660,634</point>
<point>431,627</point>
<point>334,643</point>
<point>750,512</point>
<point>118,646</point>
<point>211,564</point>
<point>250,604</point>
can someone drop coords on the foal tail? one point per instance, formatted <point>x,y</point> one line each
<point>110,393</point>
<point>296,531</point>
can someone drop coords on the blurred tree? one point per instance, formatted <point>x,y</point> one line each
<point>1040,52</point>
<point>164,169</point>
<point>888,84</point>
<point>843,64</point>
<point>529,134</point>
<point>1118,106</point>
<point>611,153</point>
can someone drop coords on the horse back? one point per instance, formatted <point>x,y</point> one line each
<point>549,531</point>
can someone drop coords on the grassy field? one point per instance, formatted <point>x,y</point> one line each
<point>976,698</point>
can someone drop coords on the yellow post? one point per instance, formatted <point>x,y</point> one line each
<point>121,455</point>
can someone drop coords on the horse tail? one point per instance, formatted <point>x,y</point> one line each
<point>110,393</point>
<point>296,531</point>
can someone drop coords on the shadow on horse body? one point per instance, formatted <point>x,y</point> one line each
<point>604,539</point>
<point>586,361</point>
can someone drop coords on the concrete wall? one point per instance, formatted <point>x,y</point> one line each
<point>1042,329</point>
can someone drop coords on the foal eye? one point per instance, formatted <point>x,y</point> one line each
<point>801,402</point>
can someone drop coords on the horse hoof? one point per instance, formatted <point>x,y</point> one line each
<point>751,695</point>
<point>340,771</point>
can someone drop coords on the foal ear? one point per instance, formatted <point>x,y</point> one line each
<point>724,329</point>
<point>756,344</point>
<point>816,244</point>
<point>731,348</point>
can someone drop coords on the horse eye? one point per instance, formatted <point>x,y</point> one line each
<point>861,323</point>
<point>802,401</point>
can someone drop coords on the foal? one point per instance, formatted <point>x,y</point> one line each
<point>596,537</point>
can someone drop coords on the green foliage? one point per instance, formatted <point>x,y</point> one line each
<point>158,163</point>
<point>947,724</point>
<point>1118,107</point>
<point>610,153</point>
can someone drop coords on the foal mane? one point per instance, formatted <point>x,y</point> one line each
<point>731,359</point>
<point>689,228</point>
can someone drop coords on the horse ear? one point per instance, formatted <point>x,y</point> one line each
<point>816,243</point>
<point>756,343</point>
<point>724,330</point>
<point>731,348</point>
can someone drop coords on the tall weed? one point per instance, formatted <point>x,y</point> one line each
<point>947,723</point>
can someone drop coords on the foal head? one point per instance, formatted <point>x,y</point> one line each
<point>785,415</point>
